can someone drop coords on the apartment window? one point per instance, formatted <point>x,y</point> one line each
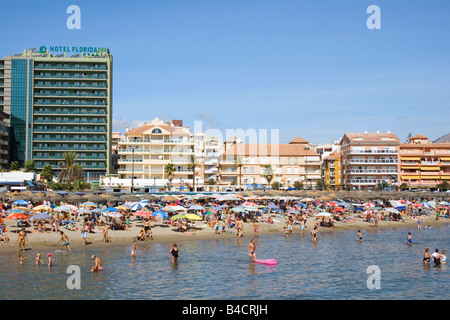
<point>289,170</point>
<point>252,170</point>
<point>245,170</point>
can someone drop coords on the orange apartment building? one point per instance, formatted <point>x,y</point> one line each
<point>368,159</point>
<point>424,164</point>
<point>291,162</point>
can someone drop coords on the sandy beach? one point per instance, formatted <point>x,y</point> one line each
<point>163,232</point>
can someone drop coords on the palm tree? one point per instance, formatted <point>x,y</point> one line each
<point>169,170</point>
<point>268,173</point>
<point>193,163</point>
<point>69,169</point>
<point>239,163</point>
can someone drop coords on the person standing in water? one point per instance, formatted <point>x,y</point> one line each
<point>426,256</point>
<point>359,234</point>
<point>133,250</point>
<point>65,241</point>
<point>436,257</point>
<point>252,250</point>
<point>409,238</point>
<point>174,252</point>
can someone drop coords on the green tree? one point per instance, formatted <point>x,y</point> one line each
<point>30,166</point>
<point>169,170</point>
<point>80,184</point>
<point>14,166</point>
<point>444,186</point>
<point>268,173</point>
<point>298,185</point>
<point>276,185</point>
<point>70,170</point>
<point>320,184</point>
<point>47,172</point>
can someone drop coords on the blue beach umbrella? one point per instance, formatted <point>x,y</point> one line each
<point>20,202</point>
<point>40,216</point>
<point>160,213</point>
<point>110,209</point>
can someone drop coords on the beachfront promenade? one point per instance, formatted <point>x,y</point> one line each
<point>175,218</point>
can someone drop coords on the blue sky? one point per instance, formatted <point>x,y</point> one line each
<point>308,68</point>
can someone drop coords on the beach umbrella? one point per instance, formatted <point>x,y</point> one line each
<point>400,208</point>
<point>178,216</point>
<point>196,207</point>
<point>174,208</point>
<point>338,209</point>
<point>110,209</point>
<point>42,208</point>
<point>368,205</point>
<point>323,214</point>
<point>88,204</point>
<point>238,209</point>
<point>169,198</point>
<point>137,206</point>
<point>392,210</point>
<point>142,213</point>
<point>160,214</point>
<point>113,214</point>
<point>17,216</point>
<point>62,208</point>
<point>96,210</point>
<point>20,202</point>
<point>83,211</point>
<point>271,206</point>
<point>40,216</point>
<point>121,207</point>
<point>192,216</point>
<point>331,203</point>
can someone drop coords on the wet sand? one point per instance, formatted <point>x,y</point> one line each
<point>167,233</point>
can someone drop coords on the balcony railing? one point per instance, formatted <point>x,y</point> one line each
<point>356,161</point>
<point>365,181</point>
<point>373,151</point>
<point>353,171</point>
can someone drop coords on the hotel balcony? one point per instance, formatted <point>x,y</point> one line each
<point>372,171</point>
<point>365,182</point>
<point>372,152</point>
<point>372,161</point>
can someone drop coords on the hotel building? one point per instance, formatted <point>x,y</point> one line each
<point>369,159</point>
<point>295,161</point>
<point>146,150</point>
<point>424,164</point>
<point>59,103</point>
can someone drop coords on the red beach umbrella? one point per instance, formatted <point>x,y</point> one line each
<point>17,216</point>
<point>338,209</point>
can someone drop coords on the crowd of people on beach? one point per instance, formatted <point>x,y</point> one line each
<point>221,216</point>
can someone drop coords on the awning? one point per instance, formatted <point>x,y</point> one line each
<point>417,168</point>
<point>445,177</point>
<point>430,168</point>
<point>445,158</point>
<point>410,158</point>
<point>410,177</point>
<point>430,177</point>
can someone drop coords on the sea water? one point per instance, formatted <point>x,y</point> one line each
<point>336,267</point>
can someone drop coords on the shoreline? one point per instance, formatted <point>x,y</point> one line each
<point>164,234</point>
